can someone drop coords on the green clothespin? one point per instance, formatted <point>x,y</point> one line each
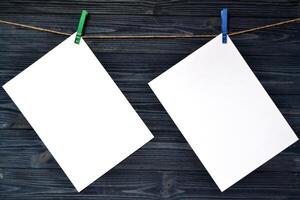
<point>84,13</point>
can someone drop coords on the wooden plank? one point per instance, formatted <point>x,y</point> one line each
<point>152,112</point>
<point>274,83</point>
<point>283,41</point>
<point>140,25</point>
<point>267,8</point>
<point>145,184</point>
<point>132,72</point>
<point>136,63</point>
<point>23,149</point>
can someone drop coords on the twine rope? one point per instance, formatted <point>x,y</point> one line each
<point>151,36</point>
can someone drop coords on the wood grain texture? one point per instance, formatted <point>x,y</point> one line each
<point>165,168</point>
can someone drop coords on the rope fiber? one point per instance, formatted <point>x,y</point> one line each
<point>151,36</point>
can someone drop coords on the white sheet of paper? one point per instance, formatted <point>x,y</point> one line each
<point>78,111</point>
<point>223,111</point>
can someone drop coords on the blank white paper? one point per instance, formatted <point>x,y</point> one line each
<point>223,112</point>
<point>78,112</point>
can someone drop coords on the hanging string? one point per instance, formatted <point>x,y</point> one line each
<point>151,36</point>
<point>34,28</point>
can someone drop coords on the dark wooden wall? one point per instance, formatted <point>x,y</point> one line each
<point>165,168</point>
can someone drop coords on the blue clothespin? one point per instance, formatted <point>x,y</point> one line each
<point>224,18</point>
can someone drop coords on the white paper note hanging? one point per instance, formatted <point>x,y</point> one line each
<point>223,111</point>
<point>78,111</point>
